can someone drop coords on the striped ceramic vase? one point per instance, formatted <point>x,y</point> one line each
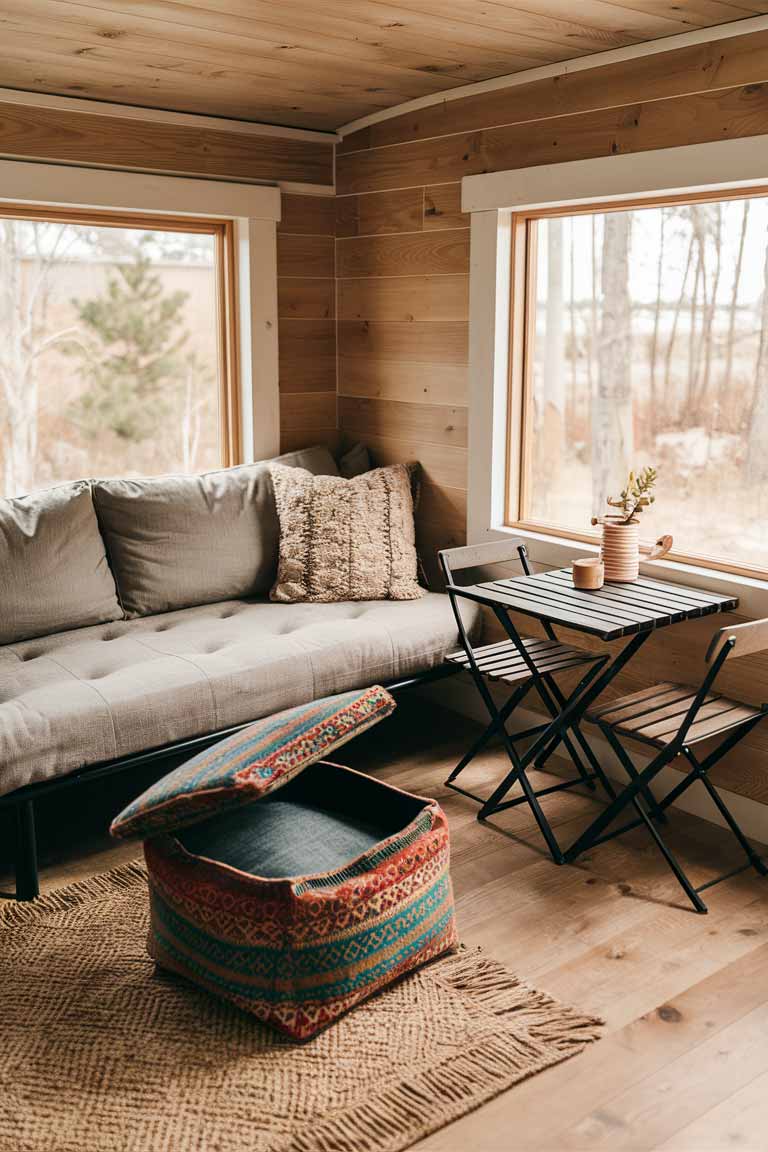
<point>621,552</point>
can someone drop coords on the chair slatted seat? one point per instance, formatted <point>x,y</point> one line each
<point>674,718</point>
<point>653,716</point>
<point>503,661</point>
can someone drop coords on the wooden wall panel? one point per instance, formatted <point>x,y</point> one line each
<point>34,133</point>
<point>403,345</point>
<point>398,211</point>
<point>300,411</point>
<point>307,215</point>
<point>299,254</point>
<point>403,299</point>
<point>442,464</point>
<point>424,423</point>
<point>402,262</point>
<point>729,112</point>
<point>437,342</point>
<point>705,67</point>
<point>400,380</point>
<point>306,318</point>
<point>413,253</point>
<point>442,207</point>
<point>441,523</point>
<point>401,210</point>
<point>304,299</point>
<point>291,439</point>
<point>307,354</point>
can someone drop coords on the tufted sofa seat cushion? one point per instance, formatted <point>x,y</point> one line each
<point>96,694</point>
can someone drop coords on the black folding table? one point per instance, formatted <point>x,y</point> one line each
<point>613,612</point>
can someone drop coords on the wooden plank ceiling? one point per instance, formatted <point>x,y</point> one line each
<point>313,63</point>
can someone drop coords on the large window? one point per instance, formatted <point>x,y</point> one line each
<point>640,336</point>
<point>116,348</point>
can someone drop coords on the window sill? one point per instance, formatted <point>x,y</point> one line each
<point>556,551</point>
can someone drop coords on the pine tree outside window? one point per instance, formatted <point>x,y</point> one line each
<point>115,351</point>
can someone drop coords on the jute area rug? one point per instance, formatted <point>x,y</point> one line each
<point>99,1052</point>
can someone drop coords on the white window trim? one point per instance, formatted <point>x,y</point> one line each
<point>491,199</point>
<point>255,211</point>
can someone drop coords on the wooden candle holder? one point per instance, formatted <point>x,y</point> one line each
<point>588,573</point>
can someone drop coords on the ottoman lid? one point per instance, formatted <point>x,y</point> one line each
<point>252,762</point>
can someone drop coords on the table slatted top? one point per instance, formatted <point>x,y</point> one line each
<point>610,612</point>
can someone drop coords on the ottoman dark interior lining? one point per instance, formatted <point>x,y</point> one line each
<point>317,823</point>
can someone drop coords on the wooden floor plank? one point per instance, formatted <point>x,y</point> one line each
<point>533,1116</point>
<point>656,957</point>
<point>737,1123</point>
<point>661,1104</point>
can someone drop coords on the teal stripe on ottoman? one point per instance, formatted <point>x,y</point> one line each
<point>298,956</point>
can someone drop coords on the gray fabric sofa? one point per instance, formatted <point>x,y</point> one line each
<point>172,639</point>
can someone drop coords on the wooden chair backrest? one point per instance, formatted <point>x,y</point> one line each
<point>481,557</point>
<point>750,637</point>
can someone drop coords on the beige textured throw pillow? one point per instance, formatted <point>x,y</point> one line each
<point>345,539</point>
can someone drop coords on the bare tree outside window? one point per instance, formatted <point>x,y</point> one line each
<point>109,353</point>
<point>29,254</point>
<point>656,320</point>
<point>612,425</point>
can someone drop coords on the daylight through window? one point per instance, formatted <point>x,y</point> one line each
<point>645,341</point>
<point>114,356</point>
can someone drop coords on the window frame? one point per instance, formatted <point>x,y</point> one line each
<point>230,429</point>
<point>522,319</point>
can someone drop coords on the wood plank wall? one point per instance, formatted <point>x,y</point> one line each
<point>30,132</point>
<point>402,264</point>
<point>402,267</point>
<point>307,321</point>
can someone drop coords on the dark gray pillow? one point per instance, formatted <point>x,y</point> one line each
<point>317,460</point>
<point>176,541</point>
<point>355,461</point>
<point>54,573</point>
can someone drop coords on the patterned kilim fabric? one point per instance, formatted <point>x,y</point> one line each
<point>300,953</point>
<point>252,762</point>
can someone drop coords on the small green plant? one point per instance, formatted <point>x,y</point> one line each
<point>637,495</point>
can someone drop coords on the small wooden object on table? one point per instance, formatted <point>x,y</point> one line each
<point>589,573</point>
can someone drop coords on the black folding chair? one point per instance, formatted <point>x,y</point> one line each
<point>525,664</point>
<point>674,718</point>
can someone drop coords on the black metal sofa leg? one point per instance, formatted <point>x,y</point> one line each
<point>27,882</point>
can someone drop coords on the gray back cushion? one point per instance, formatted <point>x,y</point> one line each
<point>177,541</point>
<point>54,573</point>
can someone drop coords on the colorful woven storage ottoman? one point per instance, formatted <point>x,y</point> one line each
<point>294,887</point>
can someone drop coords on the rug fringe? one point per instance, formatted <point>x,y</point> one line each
<point>411,1110</point>
<point>501,992</point>
<point>18,912</point>
<point>546,1032</point>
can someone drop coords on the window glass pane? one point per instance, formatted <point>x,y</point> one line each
<point>108,353</point>
<point>651,347</point>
